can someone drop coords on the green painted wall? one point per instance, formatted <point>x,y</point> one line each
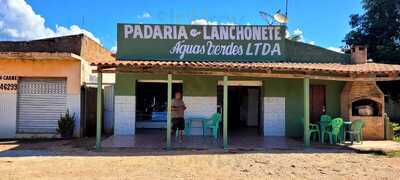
<point>192,86</point>
<point>304,52</point>
<point>159,49</point>
<point>200,85</point>
<point>125,82</point>
<point>333,91</point>
<point>291,89</point>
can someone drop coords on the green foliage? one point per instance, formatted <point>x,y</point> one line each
<point>392,154</point>
<point>396,127</point>
<point>379,29</point>
<point>396,138</point>
<point>66,125</point>
<point>396,130</point>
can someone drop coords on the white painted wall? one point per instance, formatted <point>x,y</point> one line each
<point>108,109</point>
<point>124,118</point>
<point>124,122</point>
<point>274,116</point>
<point>88,77</point>
<point>74,107</point>
<point>199,106</point>
<point>8,115</point>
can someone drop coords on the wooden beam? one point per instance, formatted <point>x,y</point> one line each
<point>258,74</point>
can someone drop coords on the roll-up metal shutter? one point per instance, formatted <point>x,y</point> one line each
<point>41,102</point>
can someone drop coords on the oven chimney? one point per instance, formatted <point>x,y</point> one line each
<point>359,54</point>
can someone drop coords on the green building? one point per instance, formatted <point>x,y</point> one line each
<point>262,83</point>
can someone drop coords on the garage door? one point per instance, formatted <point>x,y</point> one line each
<point>40,104</point>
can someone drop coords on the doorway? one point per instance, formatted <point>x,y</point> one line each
<point>89,110</point>
<point>317,102</point>
<point>244,109</point>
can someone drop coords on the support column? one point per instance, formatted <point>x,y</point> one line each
<point>99,108</point>
<point>306,111</point>
<point>169,102</point>
<point>225,113</point>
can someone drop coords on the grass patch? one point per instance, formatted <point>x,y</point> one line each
<point>381,153</point>
<point>396,138</point>
<point>393,154</point>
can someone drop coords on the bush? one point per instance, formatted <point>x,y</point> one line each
<point>66,125</point>
<point>396,127</point>
<point>396,130</point>
<point>396,138</point>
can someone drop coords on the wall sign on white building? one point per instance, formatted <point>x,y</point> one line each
<point>8,84</point>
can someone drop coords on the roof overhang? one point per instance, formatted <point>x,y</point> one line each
<point>323,71</point>
<point>39,56</point>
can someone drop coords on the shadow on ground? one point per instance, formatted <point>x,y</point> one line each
<point>86,147</point>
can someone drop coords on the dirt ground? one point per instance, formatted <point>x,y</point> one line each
<point>77,160</point>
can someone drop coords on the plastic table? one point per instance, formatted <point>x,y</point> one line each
<point>346,126</point>
<point>189,122</point>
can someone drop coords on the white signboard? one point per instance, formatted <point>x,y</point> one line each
<point>8,84</point>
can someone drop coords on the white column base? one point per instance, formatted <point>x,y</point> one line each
<point>124,120</point>
<point>274,116</point>
<point>74,107</point>
<point>199,106</point>
<point>8,115</point>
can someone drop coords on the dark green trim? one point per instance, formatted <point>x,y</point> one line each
<point>225,111</point>
<point>169,103</point>
<point>99,110</point>
<point>307,53</point>
<point>306,106</point>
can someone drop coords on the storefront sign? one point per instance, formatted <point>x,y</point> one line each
<point>201,43</point>
<point>8,84</point>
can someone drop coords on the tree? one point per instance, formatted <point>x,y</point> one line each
<point>379,29</point>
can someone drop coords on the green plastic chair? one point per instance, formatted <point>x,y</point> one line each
<point>313,130</point>
<point>325,118</point>
<point>356,131</point>
<point>213,124</point>
<point>325,124</point>
<point>334,131</point>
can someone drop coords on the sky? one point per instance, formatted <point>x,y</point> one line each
<point>320,22</point>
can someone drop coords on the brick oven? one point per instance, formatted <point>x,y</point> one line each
<point>364,100</point>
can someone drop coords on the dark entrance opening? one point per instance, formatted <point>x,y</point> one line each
<point>366,107</point>
<point>151,103</point>
<point>244,107</point>
<point>89,111</point>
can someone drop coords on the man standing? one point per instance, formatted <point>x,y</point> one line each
<point>178,109</point>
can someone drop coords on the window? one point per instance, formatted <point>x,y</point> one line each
<point>151,100</point>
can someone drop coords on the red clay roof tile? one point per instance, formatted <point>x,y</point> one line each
<point>374,68</point>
